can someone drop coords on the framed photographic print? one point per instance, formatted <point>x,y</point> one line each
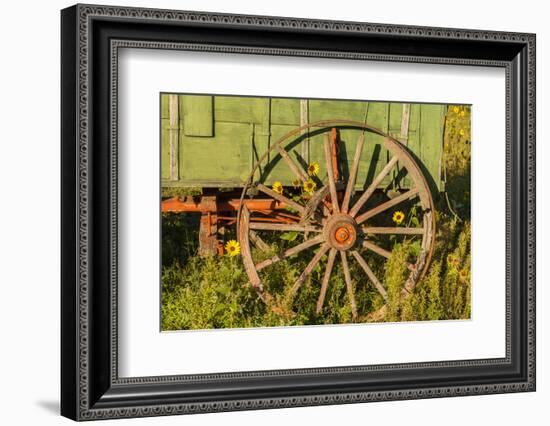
<point>263,212</point>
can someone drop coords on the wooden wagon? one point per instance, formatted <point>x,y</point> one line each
<point>340,176</point>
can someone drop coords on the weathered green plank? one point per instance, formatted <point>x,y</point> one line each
<point>164,110</point>
<point>262,137</point>
<point>413,141</point>
<point>394,120</point>
<point>394,130</point>
<point>227,157</point>
<point>165,148</point>
<point>198,118</point>
<point>336,110</point>
<point>165,136</point>
<point>173,135</point>
<point>431,133</point>
<point>375,156</point>
<point>285,111</point>
<point>241,109</point>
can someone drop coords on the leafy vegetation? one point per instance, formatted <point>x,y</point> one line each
<point>213,292</point>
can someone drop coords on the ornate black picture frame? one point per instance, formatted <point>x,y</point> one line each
<point>91,36</point>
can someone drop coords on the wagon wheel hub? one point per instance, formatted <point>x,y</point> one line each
<point>342,234</point>
<point>341,231</point>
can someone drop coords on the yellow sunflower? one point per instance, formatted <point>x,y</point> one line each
<point>456,109</point>
<point>233,248</point>
<point>296,183</point>
<point>277,187</point>
<point>463,275</point>
<point>461,132</point>
<point>462,113</point>
<point>398,217</point>
<point>313,168</point>
<point>310,186</point>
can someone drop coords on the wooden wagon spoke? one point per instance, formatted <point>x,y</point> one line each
<point>312,206</point>
<point>289,216</point>
<point>369,245</point>
<point>312,263</point>
<point>290,252</point>
<point>258,242</point>
<point>280,197</point>
<point>372,187</point>
<point>349,285</point>
<point>296,168</point>
<point>272,219</point>
<point>377,249</point>
<point>326,279</point>
<point>387,205</point>
<point>370,274</point>
<point>330,172</point>
<point>282,227</point>
<point>392,230</point>
<point>317,204</point>
<point>353,173</point>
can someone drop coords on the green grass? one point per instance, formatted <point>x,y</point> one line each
<point>214,292</point>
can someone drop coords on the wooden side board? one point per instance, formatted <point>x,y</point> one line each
<point>222,137</point>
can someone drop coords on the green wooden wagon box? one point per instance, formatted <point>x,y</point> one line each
<point>337,172</point>
<point>220,138</point>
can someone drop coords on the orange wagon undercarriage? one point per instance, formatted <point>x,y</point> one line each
<point>218,213</point>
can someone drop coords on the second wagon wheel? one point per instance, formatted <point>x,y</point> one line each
<point>345,222</point>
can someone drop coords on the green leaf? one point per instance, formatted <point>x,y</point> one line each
<point>289,236</point>
<point>317,269</point>
<point>415,248</point>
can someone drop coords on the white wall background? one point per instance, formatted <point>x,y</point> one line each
<point>29,211</point>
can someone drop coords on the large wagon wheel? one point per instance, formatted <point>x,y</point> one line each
<point>334,221</point>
